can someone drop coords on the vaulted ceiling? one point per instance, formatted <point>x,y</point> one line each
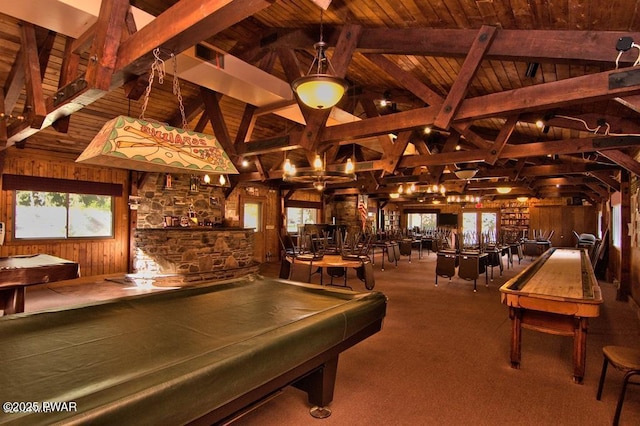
<point>542,95</point>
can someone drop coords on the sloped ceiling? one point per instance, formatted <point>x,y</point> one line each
<point>479,75</point>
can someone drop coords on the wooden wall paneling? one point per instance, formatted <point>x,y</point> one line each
<point>96,257</point>
<point>563,220</point>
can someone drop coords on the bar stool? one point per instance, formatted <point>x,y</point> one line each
<point>624,359</point>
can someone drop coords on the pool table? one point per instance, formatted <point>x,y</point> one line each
<point>17,272</point>
<point>556,294</point>
<point>195,355</point>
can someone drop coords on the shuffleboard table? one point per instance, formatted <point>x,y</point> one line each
<point>18,272</point>
<point>556,294</point>
<point>195,355</point>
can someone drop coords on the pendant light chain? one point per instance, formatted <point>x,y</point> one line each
<point>158,67</point>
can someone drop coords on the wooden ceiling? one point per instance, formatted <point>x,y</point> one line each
<point>461,68</point>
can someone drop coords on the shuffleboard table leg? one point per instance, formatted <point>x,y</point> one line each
<point>580,349</point>
<point>516,336</point>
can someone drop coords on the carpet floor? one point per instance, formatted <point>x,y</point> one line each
<point>442,357</point>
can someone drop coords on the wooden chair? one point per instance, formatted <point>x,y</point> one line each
<point>446,264</point>
<point>396,251</point>
<point>337,272</point>
<point>405,248</point>
<point>624,359</point>
<point>365,274</point>
<point>391,252</point>
<point>285,268</point>
<point>470,267</point>
<point>301,271</point>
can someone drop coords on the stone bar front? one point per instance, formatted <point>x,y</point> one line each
<point>196,253</point>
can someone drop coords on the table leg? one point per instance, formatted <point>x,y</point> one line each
<point>516,336</point>
<point>579,348</point>
<point>12,300</point>
<point>319,386</point>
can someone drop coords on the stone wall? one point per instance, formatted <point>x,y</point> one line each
<point>199,253</point>
<point>157,201</point>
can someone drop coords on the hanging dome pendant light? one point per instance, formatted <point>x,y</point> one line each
<point>320,90</point>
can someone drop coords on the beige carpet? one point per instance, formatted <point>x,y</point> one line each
<point>442,358</point>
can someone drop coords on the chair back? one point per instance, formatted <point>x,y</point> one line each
<point>301,270</point>
<point>285,268</point>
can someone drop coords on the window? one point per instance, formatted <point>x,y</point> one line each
<point>479,223</point>
<point>422,220</point>
<point>42,214</point>
<point>616,226</point>
<point>252,216</point>
<point>298,216</point>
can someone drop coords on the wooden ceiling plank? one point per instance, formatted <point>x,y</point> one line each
<point>33,80</point>
<point>501,140</point>
<point>406,79</point>
<point>623,160</point>
<point>460,87</point>
<point>103,54</point>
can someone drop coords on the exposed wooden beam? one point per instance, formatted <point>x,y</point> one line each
<point>179,27</point>
<point>33,77</point>
<point>624,160</point>
<point>567,146</point>
<point>606,178</point>
<point>106,42</point>
<point>501,140</point>
<point>458,91</point>
<point>399,146</point>
<point>216,118</point>
<point>558,46</point>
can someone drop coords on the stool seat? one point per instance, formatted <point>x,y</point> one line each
<point>625,359</point>
<point>622,357</point>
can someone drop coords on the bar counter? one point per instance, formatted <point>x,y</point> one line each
<point>202,253</point>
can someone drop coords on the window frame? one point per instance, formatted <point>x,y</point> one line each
<point>67,196</point>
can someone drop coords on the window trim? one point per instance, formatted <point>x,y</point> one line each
<point>67,237</point>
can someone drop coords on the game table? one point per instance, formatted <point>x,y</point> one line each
<point>198,354</point>
<point>18,272</point>
<point>556,294</point>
